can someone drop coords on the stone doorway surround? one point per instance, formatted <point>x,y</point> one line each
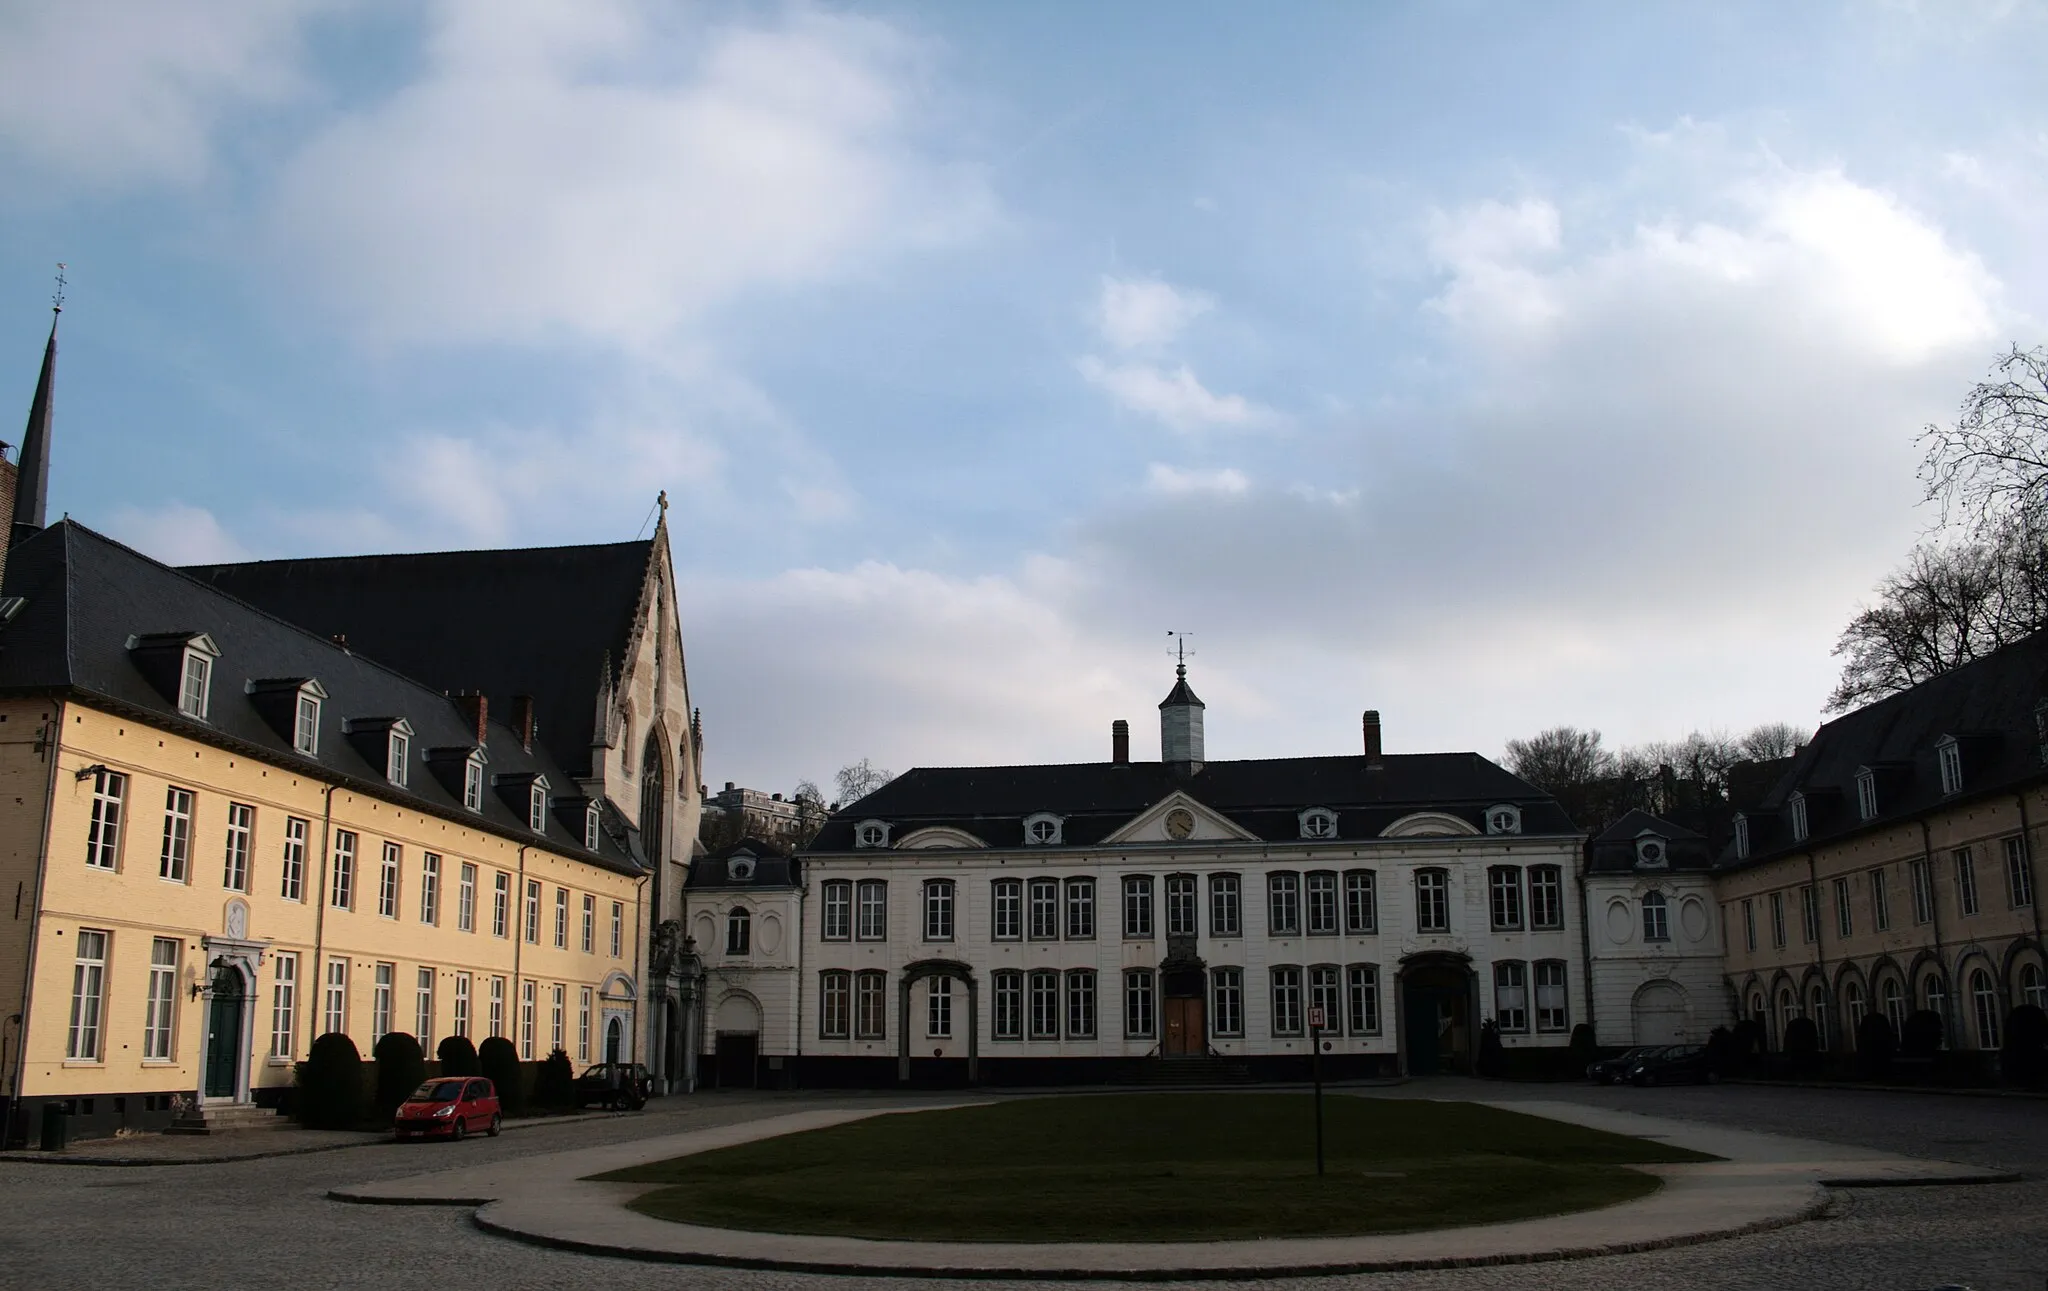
<point>916,972</point>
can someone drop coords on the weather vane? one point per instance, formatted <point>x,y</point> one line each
<point>57,300</point>
<point>1180,651</point>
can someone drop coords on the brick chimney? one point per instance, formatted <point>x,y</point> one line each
<point>522,720</point>
<point>476,710</point>
<point>1372,737</point>
<point>1120,742</point>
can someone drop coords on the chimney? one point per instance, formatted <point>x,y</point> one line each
<point>522,720</point>
<point>1372,737</point>
<point>1120,742</point>
<point>476,710</point>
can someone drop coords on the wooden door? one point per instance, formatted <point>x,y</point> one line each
<point>1185,1032</point>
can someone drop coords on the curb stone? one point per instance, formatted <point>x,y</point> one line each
<point>380,1137</point>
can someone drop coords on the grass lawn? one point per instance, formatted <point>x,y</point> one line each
<point>1154,1168</point>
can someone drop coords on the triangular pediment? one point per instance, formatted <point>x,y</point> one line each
<point>1160,823</point>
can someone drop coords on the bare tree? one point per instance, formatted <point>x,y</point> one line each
<point>1992,465</point>
<point>857,780</point>
<point>1771,741</point>
<point>1561,758</point>
<point>1942,609</point>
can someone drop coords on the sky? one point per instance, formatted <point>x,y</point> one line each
<point>1493,366</point>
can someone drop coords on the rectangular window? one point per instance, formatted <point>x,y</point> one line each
<point>1546,896</point>
<point>1322,903</point>
<point>103,841</point>
<point>1922,882</point>
<point>343,894</point>
<point>1866,795</point>
<point>835,1004</point>
<point>1045,1004</point>
<point>284,1004</point>
<point>2019,880</point>
<point>473,785</point>
<point>162,1005</point>
<point>1140,1004</point>
<point>533,912</point>
<point>526,1021</point>
<point>1552,1013</point>
<point>1080,909</point>
<point>1966,881</point>
<point>192,694</point>
<point>387,881</point>
<point>1361,902</point>
<point>1006,998</point>
<point>380,1002</point>
<point>306,727</point>
<point>1504,886</point>
<point>465,898</point>
<point>1226,910</point>
<point>1777,918</point>
<point>872,910</point>
<point>938,910</point>
<point>1283,905</point>
<point>1323,994</point>
<point>1950,755</point>
<point>395,758</point>
<point>583,1003</point>
<point>88,996</point>
<point>1432,901</point>
<point>497,1018</point>
<point>462,981</point>
<point>423,1009</point>
<point>557,1010</point>
<point>537,807</point>
<point>1809,914</point>
<point>1845,919</point>
<point>870,1005</point>
<point>1006,909</point>
<point>1511,996</point>
<point>1181,920</point>
<point>836,911</point>
<point>1287,1017</point>
<point>177,852</point>
<point>335,1018</point>
<point>241,841</point>
<point>1138,905</point>
<point>501,904</point>
<point>430,888</point>
<point>1749,923</point>
<point>561,919</point>
<point>1227,987</point>
<point>938,1011</point>
<point>1045,909</point>
<point>1880,904</point>
<point>1363,981</point>
<point>618,930</point>
<point>588,941</point>
<point>1080,1003</point>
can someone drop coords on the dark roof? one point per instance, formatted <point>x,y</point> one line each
<point>1614,849</point>
<point>1987,704</point>
<point>87,597</point>
<point>1181,694</point>
<point>1262,796</point>
<point>773,867</point>
<point>538,621</point>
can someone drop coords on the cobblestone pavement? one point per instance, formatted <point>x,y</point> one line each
<point>268,1222</point>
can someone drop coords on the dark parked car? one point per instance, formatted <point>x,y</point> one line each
<point>452,1105</point>
<point>1613,1071</point>
<point>617,1085</point>
<point>1681,1064</point>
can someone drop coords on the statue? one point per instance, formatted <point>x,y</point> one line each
<point>669,946</point>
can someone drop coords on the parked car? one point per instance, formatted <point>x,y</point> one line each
<point>1613,1071</point>
<point>450,1105</point>
<point>1680,1064</point>
<point>617,1085</point>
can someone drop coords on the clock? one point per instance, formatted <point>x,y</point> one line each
<point>1180,822</point>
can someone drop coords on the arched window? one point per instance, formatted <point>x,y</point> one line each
<point>1934,996</point>
<point>1656,917</point>
<point>615,1041</point>
<point>1756,1010</point>
<point>1852,1013</point>
<point>2032,989</point>
<point>1788,1008</point>
<point>1984,1002</point>
<point>1817,1009</point>
<point>1894,1004</point>
<point>739,932</point>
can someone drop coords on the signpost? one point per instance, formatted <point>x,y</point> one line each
<point>1316,1023</point>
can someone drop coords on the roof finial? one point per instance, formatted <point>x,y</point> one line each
<point>1180,653</point>
<point>661,500</point>
<point>57,298</point>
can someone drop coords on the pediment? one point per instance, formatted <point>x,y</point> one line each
<point>1204,824</point>
<point>1429,824</point>
<point>939,836</point>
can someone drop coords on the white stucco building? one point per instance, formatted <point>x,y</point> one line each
<point>1654,934</point>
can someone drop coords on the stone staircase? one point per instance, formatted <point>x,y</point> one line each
<point>218,1118</point>
<point>1193,1071</point>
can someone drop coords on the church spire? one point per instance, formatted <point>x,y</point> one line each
<point>32,487</point>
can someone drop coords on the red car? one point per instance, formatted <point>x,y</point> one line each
<point>451,1105</point>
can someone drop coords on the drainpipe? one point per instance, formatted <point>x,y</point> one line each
<point>518,947</point>
<point>1934,918</point>
<point>1586,948</point>
<point>803,895</point>
<point>641,984</point>
<point>2027,859</point>
<point>35,927</point>
<point>318,996</point>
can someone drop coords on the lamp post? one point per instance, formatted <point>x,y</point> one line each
<point>1316,1022</point>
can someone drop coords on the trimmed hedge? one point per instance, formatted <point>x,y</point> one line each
<point>458,1057</point>
<point>1802,1043</point>
<point>2024,1060</point>
<point>1492,1056</point>
<point>331,1084</point>
<point>500,1062</point>
<point>401,1068</point>
<point>1922,1034</point>
<point>1875,1045</point>
<point>554,1084</point>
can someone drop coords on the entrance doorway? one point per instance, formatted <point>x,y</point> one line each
<point>1660,1014</point>
<point>1436,1019</point>
<point>224,1058</point>
<point>737,1051</point>
<point>615,1040</point>
<point>1186,1034</point>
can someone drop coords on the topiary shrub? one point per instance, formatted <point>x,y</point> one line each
<point>1875,1045</point>
<point>554,1085</point>
<point>1802,1043</point>
<point>331,1084</point>
<point>1921,1035</point>
<point>400,1069</point>
<point>458,1057</point>
<point>1747,1041</point>
<point>1493,1059</point>
<point>500,1062</point>
<point>1721,1050</point>
<point>2024,1060</point>
<point>1585,1050</point>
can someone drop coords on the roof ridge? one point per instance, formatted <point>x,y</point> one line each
<point>415,555</point>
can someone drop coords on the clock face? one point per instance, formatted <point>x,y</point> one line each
<point>1180,822</point>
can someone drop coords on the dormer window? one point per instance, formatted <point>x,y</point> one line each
<point>1866,794</point>
<point>537,805</point>
<point>1742,837</point>
<point>473,781</point>
<point>1949,753</point>
<point>871,833</point>
<point>591,816</point>
<point>1318,822</point>
<point>1797,805</point>
<point>1506,818</point>
<point>1042,829</point>
<point>197,678</point>
<point>740,869</point>
<point>1652,853</point>
<point>396,751</point>
<point>306,720</point>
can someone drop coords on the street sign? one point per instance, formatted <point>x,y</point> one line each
<point>1316,1021</point>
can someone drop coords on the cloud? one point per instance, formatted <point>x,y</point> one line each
<point>610,169</point>
<point>1161,478</point>
<point>1145,313</point>
<point>109,93</point>
<point>1173,396</point>
<point>177,534</point>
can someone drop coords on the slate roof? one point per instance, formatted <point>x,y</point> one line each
<point>1613,850</point>
<point>1989,704</point>
<point>537,621</point>
<point>86,596</point>
<point>773,867</point>
<point>1263,796</point>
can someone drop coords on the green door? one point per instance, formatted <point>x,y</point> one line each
<point>1422,1011</point>
<point>224,1036</point>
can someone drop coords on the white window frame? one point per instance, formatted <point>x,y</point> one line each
<point>1283,904</point>
<point>462,1001</point>
<point>292,859</point>
<point>835,1004</point>
<point>1289,1018</point>
<point>1511,996</point>
<point>871,833</point>
<point>496,1017</point>
<point>195,682</point>
<point>1551,1016</point>
<point>871,910</point>
<point>1318,823</point>
<point>1432,899</point>
<point>398,753</point>
<point>430,888</point>
<point>1226,994</point>
<point>306,720</point>
<point>1948,753</point>
<point>739,931</point>
<point>1361,902</point>
<point>1866,794</point>
<point>343,890</point>
<point>174,864</point>
<point>1796,806</point>
<point>423,1008</point>
<point>159,1024</point>
<point>583,1010</point>
<point>1006,1004</point>
<point>530,912</point>
<point>1656,916</point>
<point>618,929</point>
<point>85,1041</point>
<point>1362,999</point>
<point>473,782</point>
<point>938,909</point>
<point>1320,916</point>
<point>1043,1004</point>
<point>1880,902</point>
<point>1845,914</point>
<point>1141,1003</point>
<point>239,852</point>
<point>526,1021</point>
<point>334,1004</point>
<point>1504,897</point>
<point>1546,897</point>
<point>1080,1003</point>
<point>561,918</point>
<point>501,904</point>
<point>870,1004</point>
<point>1006,910</point>
<point>1920,880</point>
<point>591,816</point>
<point>558,1016</point>
<point>387,880</point>
<point>1043,909</point>
<point>938,1014</point>
<point>465,897</point>
<point>103,841</point>
<point>2019,875</point>
<point>537,806</point>
<point>588,941</point>
<point>1183,906</point>
<point>1043,829</point>
<point>383,999</point>
<point>1079,905</point>
<point>284,1005</point>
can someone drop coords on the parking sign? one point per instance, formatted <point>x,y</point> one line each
<point>1315,1017</point>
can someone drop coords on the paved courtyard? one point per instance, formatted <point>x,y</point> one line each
<point>268,1222</point>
